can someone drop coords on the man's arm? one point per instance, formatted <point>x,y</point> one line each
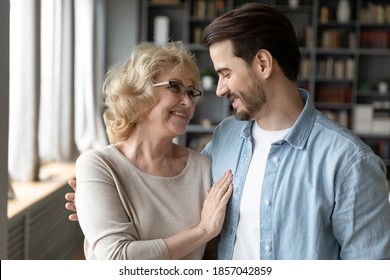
<point>361,216</point>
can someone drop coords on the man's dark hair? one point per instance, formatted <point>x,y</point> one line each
<point>254,26</point>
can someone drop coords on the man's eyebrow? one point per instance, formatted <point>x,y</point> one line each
<point>221,69</point>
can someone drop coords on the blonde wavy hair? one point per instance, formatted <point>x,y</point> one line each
<point>129,95</point>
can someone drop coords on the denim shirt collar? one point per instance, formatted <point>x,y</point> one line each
<point>300,131</point>
<point>247,129</point>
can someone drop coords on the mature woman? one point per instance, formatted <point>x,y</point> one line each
<point>144,197</point>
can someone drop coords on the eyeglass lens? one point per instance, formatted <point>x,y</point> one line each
<point>179,89</point>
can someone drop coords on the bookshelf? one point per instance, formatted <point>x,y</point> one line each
<point>345,62</point>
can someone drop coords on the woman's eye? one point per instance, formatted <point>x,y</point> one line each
<point>191,92</point>
<point>175,88</point>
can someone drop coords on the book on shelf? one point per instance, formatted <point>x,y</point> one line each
<point>211,9</point>
<point>381,126</point>
<point>309,36</point>
<point>197,35</point>
<point>375,13</point>
<point>171,2</point>
<point>208,8</point>
<point>362,118</point>
<point>384,149</point>
<point>370,120</point>
<point>200,9</point>
<point>325,69</point>
<point>381,120</point>
<point>330,39</point>
<point>329,66</point>
<point>352,40</point>
<point>350,68</point>
<point>377,39</point>
<point>339,69</point>
<point>333,94</point>
<point>337,38</point>
<point>305,68</point>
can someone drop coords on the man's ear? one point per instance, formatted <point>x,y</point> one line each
<point>263,63</point>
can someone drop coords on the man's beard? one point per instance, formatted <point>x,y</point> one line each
<point>253,101</point>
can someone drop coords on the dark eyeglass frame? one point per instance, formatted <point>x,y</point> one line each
<point>179,90</point>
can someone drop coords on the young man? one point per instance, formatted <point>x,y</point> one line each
<point>304,186</point>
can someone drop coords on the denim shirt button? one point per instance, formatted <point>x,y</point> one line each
<point>267,202</point>
<point>268,248</point>
<point>276,159</point>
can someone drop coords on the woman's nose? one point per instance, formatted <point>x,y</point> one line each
<point>186,100</point>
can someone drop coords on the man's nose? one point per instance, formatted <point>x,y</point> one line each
<point>222,89</point>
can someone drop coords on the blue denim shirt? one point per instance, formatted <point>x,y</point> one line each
<point>324,194</point>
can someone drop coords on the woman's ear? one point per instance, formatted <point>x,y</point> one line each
<point>263,63</point>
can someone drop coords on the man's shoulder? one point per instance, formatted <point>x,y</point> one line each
<point>337,138</point>
<point>337,132</point>
<point>231,124</point>
<point>228,136</point>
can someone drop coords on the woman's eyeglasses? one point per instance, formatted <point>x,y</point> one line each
<point>179,90</point>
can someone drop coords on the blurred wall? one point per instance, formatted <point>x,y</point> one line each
<point>122,29</point>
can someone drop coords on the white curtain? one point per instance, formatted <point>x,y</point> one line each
<point>56,130</point>
<point>23,160</point>
<point>57,67</point>
<point>89,74</point>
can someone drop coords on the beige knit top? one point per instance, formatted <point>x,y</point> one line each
<point>124,212</point>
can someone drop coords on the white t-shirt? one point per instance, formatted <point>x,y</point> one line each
<point>247,244</point>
